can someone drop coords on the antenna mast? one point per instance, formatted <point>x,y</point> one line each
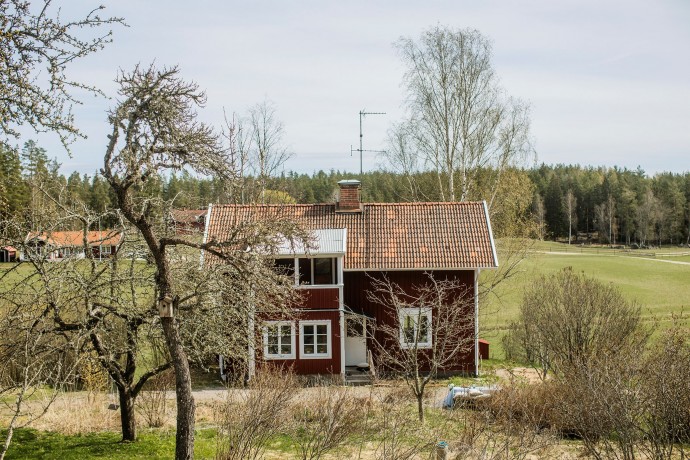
<point>362,113</point>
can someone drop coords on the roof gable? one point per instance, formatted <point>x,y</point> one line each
<point>385,236</point>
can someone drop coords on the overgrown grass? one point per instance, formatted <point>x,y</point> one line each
<point>659,287</point>
<point>45,445</point>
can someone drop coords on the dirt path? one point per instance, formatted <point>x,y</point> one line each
<point>653,259</point>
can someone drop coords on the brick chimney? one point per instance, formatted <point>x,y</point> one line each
<point>349,196</point>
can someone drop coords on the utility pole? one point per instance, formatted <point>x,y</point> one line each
<point>362,113</point>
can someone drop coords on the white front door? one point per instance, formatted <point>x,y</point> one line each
<point>355,340</point>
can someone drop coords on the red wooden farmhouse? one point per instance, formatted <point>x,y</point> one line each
<point>70,244</point>
<point>355,242</point>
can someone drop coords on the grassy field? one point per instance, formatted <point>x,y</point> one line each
<point>653,279</point>
<point>46,445</point>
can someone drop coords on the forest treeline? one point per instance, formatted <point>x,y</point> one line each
<point>561,202</point>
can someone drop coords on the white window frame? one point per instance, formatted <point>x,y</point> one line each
<point>279,355</point>
<point>415,314</point>
<point>106,250</point>
<point>335,267</point>
<point>329,342</point>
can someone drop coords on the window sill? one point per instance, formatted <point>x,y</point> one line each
<point>322,356</point>
<point>278,357</point>
<point>420,346</point>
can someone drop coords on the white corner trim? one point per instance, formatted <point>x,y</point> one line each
<point>206,225</point>
<point>491,233</point>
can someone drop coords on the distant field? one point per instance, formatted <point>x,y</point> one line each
<point>654,279</point>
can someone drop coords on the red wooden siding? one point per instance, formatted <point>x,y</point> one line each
<point>357,284</point>
<point>312,366</point>
<point>320,298</point>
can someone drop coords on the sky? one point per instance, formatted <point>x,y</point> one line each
<point>607,81</point>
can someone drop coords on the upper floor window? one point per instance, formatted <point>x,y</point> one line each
<point>286,266</point>
<point>318,271</point>
<point>312,271</point>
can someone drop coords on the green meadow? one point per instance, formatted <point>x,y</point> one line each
<point>658,281</point>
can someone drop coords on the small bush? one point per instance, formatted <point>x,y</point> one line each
<point>326,421</point>
<point>152,402</point>
<point>249,418</point>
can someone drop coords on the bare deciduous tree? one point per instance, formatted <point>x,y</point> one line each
<point>605,216</point>
<point>570,208</point>
<point>250,417</point>
<point>325,421</point>
<point>433,326</point>
<point>36,46</point>
<point>648,214</point>
<point>34,363</point>
<point>267,151</point>
<point>593,320</point>
<point>154,130</point>
<point>460,118</point>
<point>539,215</point>
<point>106,304</point>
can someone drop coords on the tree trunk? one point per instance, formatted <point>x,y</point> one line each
<point>8,440</point>
<point>129,432</point>
<point>420,407</point>
<point>184,439</point>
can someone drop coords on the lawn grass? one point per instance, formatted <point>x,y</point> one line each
<point>660,288</point>
<point>45,445</point>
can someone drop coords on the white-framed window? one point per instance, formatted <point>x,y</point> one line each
<point>106,250</point>
<point>318,271</point>
<point>279,340</point>
<point>415,327</point>
<point>315,339</point>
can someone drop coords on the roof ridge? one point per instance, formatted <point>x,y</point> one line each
<point>399,203</point>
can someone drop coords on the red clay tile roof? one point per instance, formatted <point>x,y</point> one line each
<point>386,236</point>
<point>75,238</point>
<point>188,215</point>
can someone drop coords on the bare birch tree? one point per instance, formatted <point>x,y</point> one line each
<point>461,119</point>
<point>570,208</point>
<point>268,154</point>
<point>647,215</point>
<point>605,215</point>
<point>432,328</point>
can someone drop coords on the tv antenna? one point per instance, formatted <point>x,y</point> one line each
<point>362,113</point>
